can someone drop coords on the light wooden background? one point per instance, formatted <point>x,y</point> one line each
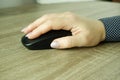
<point>17,63</point>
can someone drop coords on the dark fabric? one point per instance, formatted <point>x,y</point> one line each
<point>112,27</point>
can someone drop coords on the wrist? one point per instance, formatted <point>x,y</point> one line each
<point>102,29</point>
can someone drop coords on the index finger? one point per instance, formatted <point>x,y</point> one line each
<point>35,24</point>
<point>39,30</point>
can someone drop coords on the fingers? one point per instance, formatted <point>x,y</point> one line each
<point>39,30</point>
<point>65,42</point>
<point>34,25</point>
<point>45,24</point>
<point>45,27</point>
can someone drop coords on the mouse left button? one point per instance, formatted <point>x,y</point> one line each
<point>25,41</point>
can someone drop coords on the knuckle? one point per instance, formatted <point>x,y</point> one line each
<point>46,16</point>
<point>49,22</point>
<point>70,15</point>
<point>31,25</point>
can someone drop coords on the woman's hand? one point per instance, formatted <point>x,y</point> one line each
<point>85,32</point>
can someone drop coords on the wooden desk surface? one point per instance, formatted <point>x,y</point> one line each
<point>17,63</point>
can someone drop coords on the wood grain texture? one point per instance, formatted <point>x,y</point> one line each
<point>17,63</point>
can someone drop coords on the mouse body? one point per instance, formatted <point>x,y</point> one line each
<point>44,41</point>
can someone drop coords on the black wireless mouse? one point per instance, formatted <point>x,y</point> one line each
<point>44,41</point>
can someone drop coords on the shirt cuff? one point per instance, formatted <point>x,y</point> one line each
<point>112,28</point>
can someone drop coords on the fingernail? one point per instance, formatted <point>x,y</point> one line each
<point>28,35</point>
<point>23,30</point>
<point>55,44</point>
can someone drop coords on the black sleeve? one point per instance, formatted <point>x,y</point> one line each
<point>112,28</point>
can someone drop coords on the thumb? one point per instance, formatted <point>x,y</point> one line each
<point>64,42</point>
